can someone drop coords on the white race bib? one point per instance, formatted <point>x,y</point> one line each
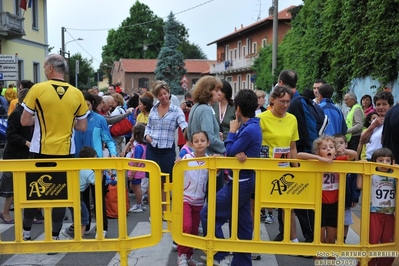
<point>282,153</point>
<point>330,181</point>
<point>382,192</point>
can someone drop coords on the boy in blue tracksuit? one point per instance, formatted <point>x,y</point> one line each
<point>243,141</point>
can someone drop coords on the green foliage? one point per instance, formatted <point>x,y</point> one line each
<point>191,51</point>
<point>170,65</point>
<point>86,72</point>
<point>338,40</point>
<point>141,36</point>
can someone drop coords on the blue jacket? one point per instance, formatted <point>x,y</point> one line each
<point>247,139</point>
<point>96,133</point>
<point>352,193</point>
<point>336,120</point>
<point>307,128</point>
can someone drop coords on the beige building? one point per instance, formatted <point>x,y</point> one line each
<point>24,33</point>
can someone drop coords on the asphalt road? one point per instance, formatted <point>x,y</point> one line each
<point>162,254</point>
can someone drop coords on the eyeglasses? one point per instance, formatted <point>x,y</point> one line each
<point>283,102</point>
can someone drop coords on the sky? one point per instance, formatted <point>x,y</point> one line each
<point>206,20</point>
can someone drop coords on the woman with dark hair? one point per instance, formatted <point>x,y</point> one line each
<point>145,105</point>
<point>279,136</point>
<point>367,104</point>
<point>133,102</point>
<point>383,101</point>
<point>224,109</point>
<point>17,147</point>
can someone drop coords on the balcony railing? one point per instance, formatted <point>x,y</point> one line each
<point>11,26</point>
<point>232,65</point>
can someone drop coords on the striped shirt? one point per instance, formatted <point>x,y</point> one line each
<point>162,130</point>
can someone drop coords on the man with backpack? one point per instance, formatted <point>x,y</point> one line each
<point>313,122</point>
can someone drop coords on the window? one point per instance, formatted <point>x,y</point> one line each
<point>35,15</point>
<point>249,42</point>
<point>143,82</point>
<point>254,48</point>
<point>231,55</point>
<point>239,82</point>
<point>234,88</point>
<point>243,85</point>
<point>193,81</point>
<point>229,79</point>
<point>264,43</point>
<point>20,69</point>
<point>249,81</point>
<point>17,8</point>
<point>243,51</point>
<point>239,47</point>
<point>36,72</point>
<point>223,57</point>
<point>226,51</point>
<point>235,53</point>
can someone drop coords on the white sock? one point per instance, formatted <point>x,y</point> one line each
<point>294,240</point>
<point>26,234</point>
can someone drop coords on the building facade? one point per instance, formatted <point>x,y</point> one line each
<point>24,33</point>
<point>236,51</point>
<point>136,73</point>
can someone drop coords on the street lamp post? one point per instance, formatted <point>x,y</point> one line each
<point>74,40</point>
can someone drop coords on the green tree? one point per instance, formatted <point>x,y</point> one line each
<point>86,72</point>
<point>191,51</point>
<point>263,68</point>
<point>141,36</point>
<point>170,65</point>
<point>340,40</point>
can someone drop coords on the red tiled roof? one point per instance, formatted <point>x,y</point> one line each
<point>149,65</point>
<point>282,15</point>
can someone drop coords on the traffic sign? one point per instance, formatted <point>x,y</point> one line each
<point>7,58</point>
<point>184,79</point>
<point>9,76</point>
<point>184,86</point>
<point>8,67</point>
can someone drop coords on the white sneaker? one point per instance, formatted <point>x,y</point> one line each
<point>104,234</point>
<point>182,260</point>
<point>192,262</point>
<point>200,230</point>
<point>269,219</point>
<point>136,208</point>
<point>174,246</point>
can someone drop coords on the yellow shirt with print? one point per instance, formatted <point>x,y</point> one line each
<point>278,133</point>
<point>56,104</point>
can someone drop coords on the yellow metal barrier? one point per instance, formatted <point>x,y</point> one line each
<point>288,189</point>
<point>50,183</point>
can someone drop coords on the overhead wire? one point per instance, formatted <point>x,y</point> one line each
<point>128,26</point>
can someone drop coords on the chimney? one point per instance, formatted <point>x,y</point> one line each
<point>242,26</point>
<point>235,28</point>
<point>271,10</point>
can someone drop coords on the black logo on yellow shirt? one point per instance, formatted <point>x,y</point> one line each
<point>46,186</point>
<point>60,90</point>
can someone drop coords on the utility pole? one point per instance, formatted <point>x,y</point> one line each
<point>275,37</point>
<point>63,41</point>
